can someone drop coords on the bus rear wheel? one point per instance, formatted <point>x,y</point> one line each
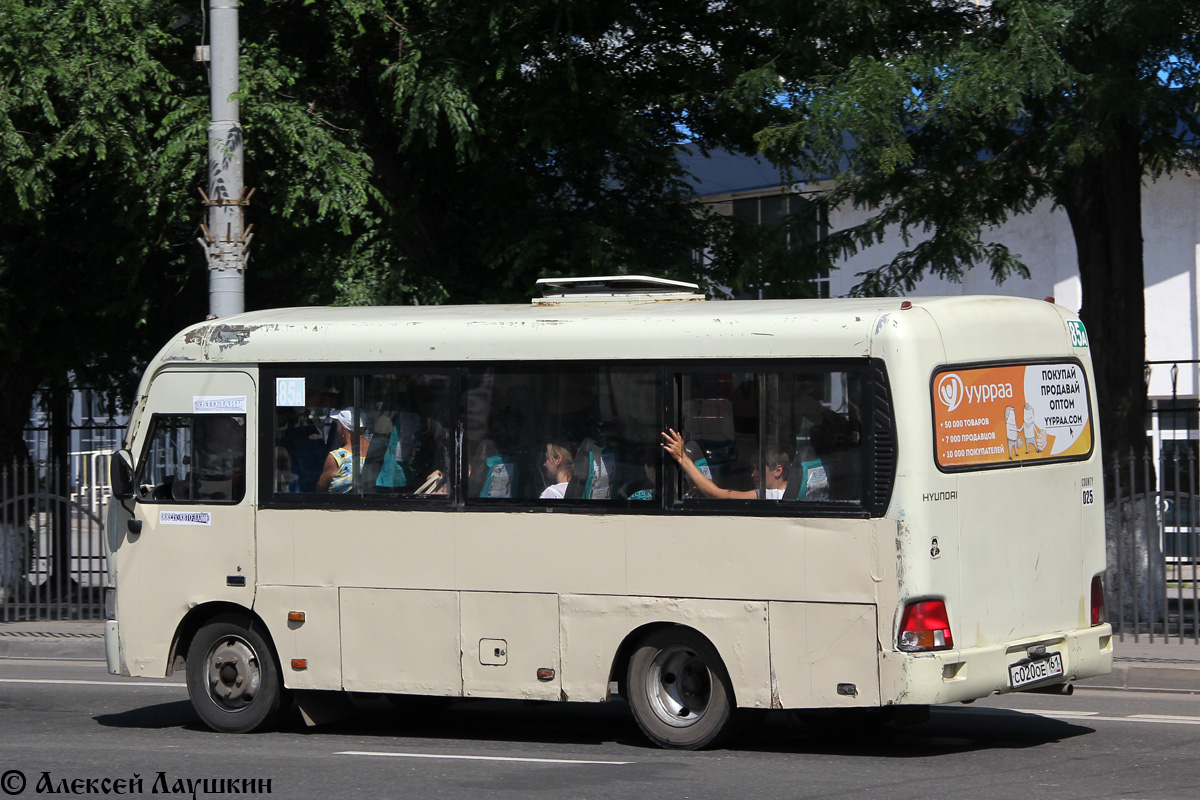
<point>679,691</point>
<point>232,677</point>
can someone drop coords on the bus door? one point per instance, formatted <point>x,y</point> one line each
<point>191,539</point>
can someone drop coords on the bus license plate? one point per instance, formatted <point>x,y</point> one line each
<point>1034,671</point>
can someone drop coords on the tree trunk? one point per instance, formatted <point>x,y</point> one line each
<point>1103,200</point>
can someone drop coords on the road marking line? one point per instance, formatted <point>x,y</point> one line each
<point>1160,721</point>
<point>1095,715</point>
<point>91,683</point>
<point>478,758</point>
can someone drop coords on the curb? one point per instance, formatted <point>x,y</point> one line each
<point>1154,675</point>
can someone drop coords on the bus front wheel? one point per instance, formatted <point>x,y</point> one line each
<point>232,677</point>
<point>679,691</point>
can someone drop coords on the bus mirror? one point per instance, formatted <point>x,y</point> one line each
<point>120,475</point>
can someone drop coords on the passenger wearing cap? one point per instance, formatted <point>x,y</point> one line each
<point>337,477</point>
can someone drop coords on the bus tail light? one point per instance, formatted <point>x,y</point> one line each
<point>925,626</point>
<point>1098,610</point>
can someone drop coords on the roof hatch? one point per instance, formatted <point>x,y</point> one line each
<point>614,289</point>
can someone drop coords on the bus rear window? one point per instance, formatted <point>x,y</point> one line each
<point>1011,415</point>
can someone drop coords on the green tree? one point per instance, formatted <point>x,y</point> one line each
<point>950,117</point>
<point>103,119</point>
<point>85,192</point>
<point>516,140</point>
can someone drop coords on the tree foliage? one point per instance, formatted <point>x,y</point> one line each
<point>948,118</point>
<point>87,189</point>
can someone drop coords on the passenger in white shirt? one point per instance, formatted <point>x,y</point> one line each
<point>559,466</point>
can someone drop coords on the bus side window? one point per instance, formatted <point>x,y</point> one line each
<point>304,431</point>
<point>820,413</point>
<point>597,423</point>
<point>194,459</point>
<point>788,435</point>
<point>410,419</point>
<point>350,435</point>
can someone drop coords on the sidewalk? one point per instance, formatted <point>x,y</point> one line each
<point>1161,666</point>
<point>52,639</point>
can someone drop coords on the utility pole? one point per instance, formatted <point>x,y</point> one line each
<point>226,241</point>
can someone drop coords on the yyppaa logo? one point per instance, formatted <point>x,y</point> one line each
<point>950,391</point>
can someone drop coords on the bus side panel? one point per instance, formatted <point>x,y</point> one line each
<point>538,552</point>
<point>593,628</point>
<point>403,642</point>
<point>780,558</point>
<point>507,639</point>
<point>375,548</point>
<point>316,639</point>
<point>823,654</point>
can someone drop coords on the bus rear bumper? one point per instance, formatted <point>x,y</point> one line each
<point>971,673</point>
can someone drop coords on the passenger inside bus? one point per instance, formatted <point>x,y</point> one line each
<point>643,485</point>
<point>337,477</point>
<point>304,447</point>
<point>559,466</point>
<point>777,464</point>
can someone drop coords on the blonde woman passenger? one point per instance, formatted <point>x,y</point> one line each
<point>559,466</point>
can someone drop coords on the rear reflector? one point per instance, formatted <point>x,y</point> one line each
<point>1098,611</point>
<point>925,626</point>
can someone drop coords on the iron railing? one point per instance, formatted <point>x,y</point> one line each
<point>1153,579</point>
<point>52,563</point>
<point>52,511</point>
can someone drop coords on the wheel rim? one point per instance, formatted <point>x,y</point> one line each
<point>680,686</point>
<point>234,676</point>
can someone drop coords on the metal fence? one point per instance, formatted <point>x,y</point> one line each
<point>1153,589</point>
<point>52,562</point>
<point>1153,580</point>
<point>52,511</point>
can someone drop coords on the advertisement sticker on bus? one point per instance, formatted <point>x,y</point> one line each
<point>1010,414</point>
<point>219,404</point>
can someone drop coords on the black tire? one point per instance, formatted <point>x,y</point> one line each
<point>233,677</point>
<point>679,691</point>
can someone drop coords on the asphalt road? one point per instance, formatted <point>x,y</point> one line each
<point>64,724</point>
